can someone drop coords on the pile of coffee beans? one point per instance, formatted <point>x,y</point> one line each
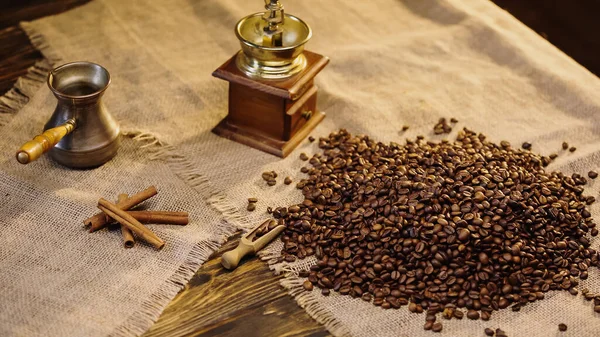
<point>441,227</point>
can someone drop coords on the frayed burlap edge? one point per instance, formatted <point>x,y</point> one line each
<point>307,300</point>
<point>25,87</point>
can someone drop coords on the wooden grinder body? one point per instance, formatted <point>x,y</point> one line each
<point>271,115</point>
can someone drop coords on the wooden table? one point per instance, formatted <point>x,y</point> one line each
<point>249,301</point>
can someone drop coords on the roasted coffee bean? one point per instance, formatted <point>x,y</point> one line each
<point>251,207</point>
<point>562,327</point>
<point>441,227</point>
<point>565,145</point>
<point>267,175</point>
<point>473,314</point>
<point>271,182</point>
<point>287,180</point>
<point>597,308</point>
<point>405,127</point>
<point>428,325</point>
<point>325,292</point>
<point>442,126</point>
<point>311,139</point>
<point>526,146</point>
<point>489,332</point>
<point>303,156</point>
<point>252,200</point>
<point>307,285</point>
<point>436,327</point>
<point>572,149</point>
<point>500,333</point>
<point>593,174</point>
<point>453,120</point>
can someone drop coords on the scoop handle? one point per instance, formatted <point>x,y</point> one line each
<point>40,144</point>
<point>231,259</point>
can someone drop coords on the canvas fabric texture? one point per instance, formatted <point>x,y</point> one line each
<point>393,63</point>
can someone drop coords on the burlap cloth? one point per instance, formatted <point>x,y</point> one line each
<point>393,63</point>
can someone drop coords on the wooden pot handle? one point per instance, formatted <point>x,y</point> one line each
<point>40,144</point>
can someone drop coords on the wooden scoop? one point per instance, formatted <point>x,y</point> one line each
<point>231,259</point>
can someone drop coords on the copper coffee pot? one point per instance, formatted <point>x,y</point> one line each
<point>81,133</point>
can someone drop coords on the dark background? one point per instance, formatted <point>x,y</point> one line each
<point>571,25</point>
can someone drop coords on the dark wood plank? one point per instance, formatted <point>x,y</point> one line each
<point>15,11</point>
<point>247,301</point>
<point>16,52</point>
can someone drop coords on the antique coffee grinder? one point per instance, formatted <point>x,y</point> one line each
<point>272,96</point>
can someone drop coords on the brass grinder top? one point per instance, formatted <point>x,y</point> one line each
<point>272,43</point>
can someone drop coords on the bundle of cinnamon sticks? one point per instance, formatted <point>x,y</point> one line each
<point>131,221</point>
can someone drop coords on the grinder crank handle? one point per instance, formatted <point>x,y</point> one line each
<point>40,144</point>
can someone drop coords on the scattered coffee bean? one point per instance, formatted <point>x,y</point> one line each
<point>287,180</point>
<point>272,182</point>
<point>304,169</point>
<point>325,292</point>
<point>597,308</point>
<point>526,146</point>
<point>489,332</point>
<point>562,327</point>
<point>308,286</point>
<point>593,174</point>
<point>252,200</point>
<point>311,139</point>
<point>442,126</point>
<point>472,314</point>
<point>453,120</point>
<point>405,127</point>
<point>436,327</point>
<point>505,144</point>
<point>565,145</point>
<point>553,156</point>
<point>251,207</point>
<point>572,149</point>
<point>428,325</point>
<point>500,333</point>
<point>457,225</point>
<point>303,156</point>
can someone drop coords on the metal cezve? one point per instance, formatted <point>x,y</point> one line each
<point>81,133</point>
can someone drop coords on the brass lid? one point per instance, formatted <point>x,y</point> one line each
<point>272,43</point>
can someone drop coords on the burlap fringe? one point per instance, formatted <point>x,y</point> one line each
<point>25,87</point>
<point>141,320</point>
<point>307,300</point>
<point>28,84</point>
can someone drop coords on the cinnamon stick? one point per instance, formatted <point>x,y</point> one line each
<point>128,239</point>
<point>160,217</point>
<point>100,220</point>
<point>128,221</point>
